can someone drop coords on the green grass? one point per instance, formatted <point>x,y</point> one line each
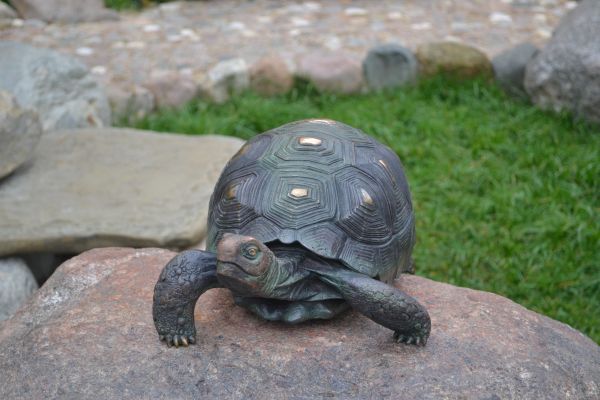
<point>506,195</point>
<point>122,4</point>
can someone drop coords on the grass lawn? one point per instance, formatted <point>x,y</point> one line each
<point>506,195</point>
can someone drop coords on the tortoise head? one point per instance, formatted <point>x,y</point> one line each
<point>243,262</point>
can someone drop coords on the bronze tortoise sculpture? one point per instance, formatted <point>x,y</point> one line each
<point>306,220</point>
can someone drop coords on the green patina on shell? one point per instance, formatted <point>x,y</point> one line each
<point>323,184</point>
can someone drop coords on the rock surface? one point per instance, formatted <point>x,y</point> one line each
<point>16,285</point>
<point>20,131</point>
<point>565,75</point>
<point>452,58</point>
<point>58,87</point>
<point>88,333</point>
<point>105,187</point>
<point>64,10</point>
<point>509,68</point>
<point>271,76</point>
<point>171,89</point>
<point>331,71</point>
<point>389,66</point>
<point>130,103</point>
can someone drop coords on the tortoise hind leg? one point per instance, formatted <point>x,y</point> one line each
<point>384,304</point>
<point>292,312</point>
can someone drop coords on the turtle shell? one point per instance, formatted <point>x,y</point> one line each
<point>323,184</point>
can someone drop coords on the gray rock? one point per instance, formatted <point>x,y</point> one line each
<point>111,187</point>
<point>227,78</point>
<point>6,12</point>
<point>331,71</point>
<point>20,131</point>
<point>565,75</point>
<point>389,66</point>
<point>70,11</point>
<point>88,334</point>
<point>509,68</point>
<point>130,103</point>
<point>58,87</point>
<point>16,285</point>
<point>170,89</point>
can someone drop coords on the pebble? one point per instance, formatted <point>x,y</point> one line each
<point>151,28</point>
<point>500,18</point>
<point>300,22</point>
<point>569,5</point>
<point>99,70</point>
<point>421,26</point>
<point>84,51</point>
<point>312,6</point>
<point>355,11</point>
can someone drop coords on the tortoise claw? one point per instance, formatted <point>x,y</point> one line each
<point>178,340</point>
<point>407,339</point>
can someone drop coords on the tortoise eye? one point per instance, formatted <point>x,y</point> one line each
<point>250,252</point>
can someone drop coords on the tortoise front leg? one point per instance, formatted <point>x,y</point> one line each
<point>181,283</point>
<point>384,304</point>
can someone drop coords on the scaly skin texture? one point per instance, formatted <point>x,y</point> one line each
<point>181,283</point>
<point>267,276</point>
<point>382,303</point>
<point>293,288</point>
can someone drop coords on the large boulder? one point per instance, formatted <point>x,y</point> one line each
<point>106,187</point>
<point>20,131</point>
<point>88,333</point>
<point>16,285</point>
<point>64,10</point>
<point>58,87</point>
<point>565,75</point>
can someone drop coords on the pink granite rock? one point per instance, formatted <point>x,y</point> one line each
<point>332,71</point>
<point>88,333</point>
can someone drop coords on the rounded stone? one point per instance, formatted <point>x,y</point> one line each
<point>17,283</point>
<point>331,71</point>
<point>271,76</point>
<point>451,58</point>
<point>389,66</point>
<point>168,88</point>
<point>509,68</point>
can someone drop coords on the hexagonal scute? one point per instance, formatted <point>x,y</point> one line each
<point>305,150</point>
<point>294,200</point>
<point>366,206</point>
